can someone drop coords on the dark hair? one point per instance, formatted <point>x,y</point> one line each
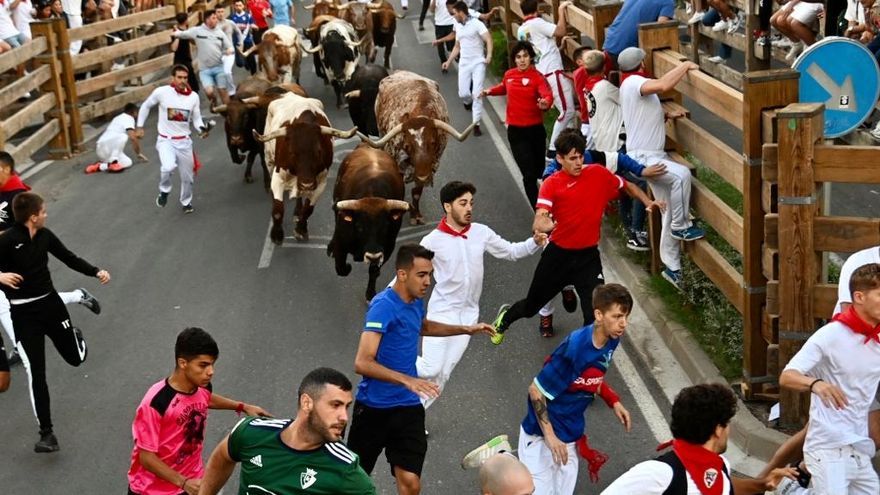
<point>454,190</point>
<point>179,68</point>
<point>451,2</point>
<point>865,278</point>
<point>25,205</point>
<point>407,254</point>
<point>7,160</point>
<point>519,47</point>
<point>460,6</point>
<point>697,410</point>
<point>570,139</point>
<point>576,54</point>
<point>606,296</point>
<point>218,9</point>
<point>314,383</point>
<point>131,107</point>
<point>193,342</point>
<point>529,6</point>
<point>181,17</point>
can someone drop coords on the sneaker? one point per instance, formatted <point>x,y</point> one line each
<point>498,338</point>
<point>673,277</point>
<point>546,326</point>
<point>479,455</point>
<point>468,106</point>
<point>717,59</point>
<point>162,200</point>
<point>421,27</point>
<point>14,357</point>
<point>736,23</point>
<point>691,233</point>
<point>569,299</point>
<point>688,8</point>
<point>697,17</point>
<point>47,443</point>
<point>93,168</point>
<point>477,131</point>
<point>794,51</point>
<point>115,168</point>
<point>637,243</point>
<point>188,208</point>
<point>721,25</point>
<point>89,301</point>
<point>875,132</point>
<point>780,41</point>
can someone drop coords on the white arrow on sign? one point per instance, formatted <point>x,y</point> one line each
<point>843,97</point>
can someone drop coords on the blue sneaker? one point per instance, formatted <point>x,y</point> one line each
<point>672,276</point>
<point>691,233</point>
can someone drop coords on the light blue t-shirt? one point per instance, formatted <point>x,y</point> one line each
<point>281,11</point>
<point>624,31</point>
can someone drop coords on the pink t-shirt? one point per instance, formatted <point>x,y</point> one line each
<point>171,424</point>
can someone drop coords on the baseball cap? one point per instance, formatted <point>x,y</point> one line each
<point>594,60</point>
<point>629,59</point>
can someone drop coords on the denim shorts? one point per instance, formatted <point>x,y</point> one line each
<point>213,76</point>
<point>15,41</point>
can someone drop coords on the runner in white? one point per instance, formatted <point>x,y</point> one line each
<point>111,145</point>
<point>473,41</point>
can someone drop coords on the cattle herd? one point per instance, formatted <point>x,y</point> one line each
<point>400,116</point>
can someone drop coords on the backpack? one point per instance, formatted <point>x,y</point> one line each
<point>678,485</point>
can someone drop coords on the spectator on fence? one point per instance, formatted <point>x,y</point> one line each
<point>726,19</point>
<point>49,10</point>
<point>711,18</point>
<point>243,40</point>
<point>284,12</point>
<point>624,31</point>
<point>797,20</point>
<point>580,81</point>
<point>9,34</point>
<point>183,51</point>
<point>111,145</point>
<point>644,118</point>
<point>228,28</point>
<point>260,10</point>
<point>856,26</point>
<point>211,44</point>
<point>73,14</point>
<point>23,12</point>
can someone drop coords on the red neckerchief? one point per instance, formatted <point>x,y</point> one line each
<point>593,80</point>
<point>14,183</point>
<point>624,75</point>
<point>705,467</point>
<point>855,322</point>
<point>446,229</point>
<point>528,17</point>
<point>185,92</point>
<point>595,458</point>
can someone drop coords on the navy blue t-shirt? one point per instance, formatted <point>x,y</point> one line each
<point>569,380</point>
<point>624,31</point>
<point>400,325</point>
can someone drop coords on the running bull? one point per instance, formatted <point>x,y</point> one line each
<point>362,91</point>
<point>338,47</point>
<point>279,53</point>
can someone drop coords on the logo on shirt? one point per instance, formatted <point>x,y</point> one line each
<point>178,115</point>
<point>3,214</point>
<point>308,478</point>
<point>709,477</point>
<point>525,81</point>
<point>20,244</point>
<point>257,460</point>
<point>571,184</point>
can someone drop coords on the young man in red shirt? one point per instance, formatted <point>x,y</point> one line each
<point>260,10</point>
<point>576,197</point>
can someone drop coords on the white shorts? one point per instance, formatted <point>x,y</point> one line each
<point>806,13</point>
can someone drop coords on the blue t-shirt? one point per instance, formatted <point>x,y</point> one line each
<point>400,325</point>
<point>243,18</point>
<point>281,11</point>
<point>624,31</point>
<point>569,380</point>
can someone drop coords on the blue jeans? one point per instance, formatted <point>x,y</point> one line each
<point>213,76</point>
<point>632,211</point>
<point>710,19</point>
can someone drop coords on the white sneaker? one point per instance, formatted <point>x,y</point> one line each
<point>688,8</point>
<point>717,59</point>
<point>697,17</point>
<point>721,25</point>
<point>479,455</point>
<point>735,24</point>
<point>118,66</point>
<point>782,42</point>
<point>795,50</point>
<point>875,132</point>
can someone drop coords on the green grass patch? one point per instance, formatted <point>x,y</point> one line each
<point>499,53</point>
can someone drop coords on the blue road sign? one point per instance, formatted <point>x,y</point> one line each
<point>842,74</point>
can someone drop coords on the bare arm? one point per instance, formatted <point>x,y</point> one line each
<point>636,192</point>
<point>448,37</point>
<point>219,469</point>
<point>220,402</point>
<point>543,222</point>
<point>561,20</point>
<point>365,364</point>
<point>437,329</point>
<point>669,80</point>
<point>539,404</point>
<point>487,39</point>
<point>452,55</point>
<point>151,462</point>
<point>135,142</point>
<point>831,395</point>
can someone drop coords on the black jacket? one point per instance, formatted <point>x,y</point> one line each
<point>30,258</point>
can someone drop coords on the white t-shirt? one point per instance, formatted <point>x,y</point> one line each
<point>840,357</point>
<point>470,37</point>
<point>853,263</point>
<point>7,27</point>
<point>642,116</point>
<point>855,12</point>
<point>120,124</point>
<point>539,33</point>
<point>442,17</point>
<point>606,117</point>
<point>72,7</point>
<point>22,16</point>
<point>653,478</point>
<point>176,111</point>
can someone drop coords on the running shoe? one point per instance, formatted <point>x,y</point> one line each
<point>188,208</point>
<point>569,299</point>
<point>875,132</point>
<point>697,17</point>
<point>477,131</point>
<point>115,168</point>
<point>93,168</point>
<point>637,242</point>
<point>673,277</point>
<point>89,301</point>
<point>498,338</point>
<point>468,106</point>
<point>721,25</point>
<point>794,51</point>
<point>717,59</point>
<point>691,233</point>
<point>162,200</point>
<point>546,326</point>
<point>47,443</point>
<point>479,455</point>
<point>736,23</point>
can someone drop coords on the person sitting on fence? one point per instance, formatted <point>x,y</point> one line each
<point>797,20</point>
<point>644,119</point>
<point>727,20</point>
<point>856,26</point>
<point>22,16</point>
<point>9,34</point>
<point>242,38</point>
<point>183,51</point>
<point>49,10</point>
<point>211,44</point>
<point>111,145</point>
<point>624,31</point>
<point>73,13</point>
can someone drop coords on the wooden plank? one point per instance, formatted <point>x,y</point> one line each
<point>26,115</point>
<point>852,164</point>
<point>115,103</point>
<point>823,298</point>
<point>713,95</point>
<point>768,126</point>
<point>18,56</point>
<point>711,151</point>
<point>515,8</point>
<point>724,73</point>
<point>727,222</point>
<point>736,41</point>
<point>120,49</point>
<point>832,234</point>
<point>19,87</point>
<point>719,271</point>
<point>111,79</point>
<point>768,197</point>
<point>770,162</point>
<point>581,21</point>
<point>770,263</point>
<point>120,23</point>
<point>35,141</point>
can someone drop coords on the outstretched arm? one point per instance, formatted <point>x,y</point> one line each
<point>219,469</point>
<point>668,81</point>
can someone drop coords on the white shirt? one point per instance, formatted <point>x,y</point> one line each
<point>653,478</point>
<point>840,357</point>
<point>72,7</point>
<point>606,117</point>
<point>22,16</point>
<point>442,17</point>
<point>120,125</point>
<point>7,28</point>
<point>855,12</point>
<point>642,116</point>
<point>853,263</point>
<point>539,33</point>
<point>458,270</point>
<point>176,111</point>
<point>470,38</point>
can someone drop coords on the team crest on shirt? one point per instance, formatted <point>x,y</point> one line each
<point>709,477</point>
<point>308,478</point>
<point>525,81</point>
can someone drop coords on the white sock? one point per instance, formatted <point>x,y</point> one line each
<point>103,166</point>
<point>72,297</point>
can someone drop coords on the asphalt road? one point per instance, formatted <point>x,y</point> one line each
<point>275,313</point>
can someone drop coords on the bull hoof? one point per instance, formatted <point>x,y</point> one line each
<point>344,271</point>
<point>277,236</point>
<point>248,179</point>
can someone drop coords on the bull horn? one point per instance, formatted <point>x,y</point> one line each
<point>388,135</point>
<point>396,204</point>
<point>250,50</point>
<point>337,133</point>
<point>219,109</point>
<point>309,7</point>
<point>374,5</point>
<point>277,133</point>
<point>250,101</point>
<point>461,136</point>
<point>351,94</point>
<point>343,7</point>
<point>352,44</point>
<point>309,50</point>
<point>349,204</point>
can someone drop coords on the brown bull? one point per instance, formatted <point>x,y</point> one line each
<point>280,54</point>
<point>360,17</point>
<point>324,7</point>
<point>384,27</point>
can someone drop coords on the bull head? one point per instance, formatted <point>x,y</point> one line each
<point>277,133</point>
<point>356,205</point>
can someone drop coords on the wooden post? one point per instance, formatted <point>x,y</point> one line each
<point>604,12</point>
<point>179,6</point>
<point>800,128</point>
<point>59,146</point>
<point>71,100</point>
<point>761,91</point>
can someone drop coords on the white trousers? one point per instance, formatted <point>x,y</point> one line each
<point>842,471</point>
<point>563,100</point>
<point>71,297</point>
<point>550,478</point>
<point>673,187</point>
<point>111,149</point>
<point>74,21</point>
<point>471,74</point>
<point>439,357</point>
<point>228,64</point>
<point>176,154</point>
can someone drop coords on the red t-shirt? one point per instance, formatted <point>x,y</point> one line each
<point>256,8</point>
<point>523,88</point>
<point>577,204</point>
<point>172,425</point>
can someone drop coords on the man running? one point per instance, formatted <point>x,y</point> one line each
<point>473,42</point>
<point>169,425</point>
<point>111,145</point>
<point>211,44</point>
<point>37,310</point>
<point>388,413</point>
<point>178,109</point>
<point>459,246</point>
<point>303,455</point>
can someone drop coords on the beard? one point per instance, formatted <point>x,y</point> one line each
<point>318,428</point>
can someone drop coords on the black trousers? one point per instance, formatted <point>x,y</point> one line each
<point>34,321</point>
<point>557,268</point>
<point>442,48</point>
<point>424,13</point>
<point>527,147</point>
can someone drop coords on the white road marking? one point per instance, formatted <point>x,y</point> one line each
<point>36,169</point>
<point>427,36</point>
<point>268,249</point>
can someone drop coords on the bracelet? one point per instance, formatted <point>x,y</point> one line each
<point>239,408</point>
<point>183,483</point>
<point>814,382</point>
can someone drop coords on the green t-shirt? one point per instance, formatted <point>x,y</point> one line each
<point>268,466</point>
